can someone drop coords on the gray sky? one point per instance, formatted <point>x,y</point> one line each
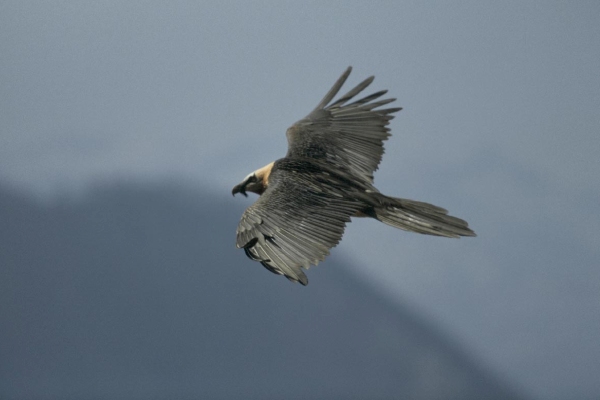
<point>501,125</point>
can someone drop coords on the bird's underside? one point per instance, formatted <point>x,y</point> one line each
<point>326,177</point>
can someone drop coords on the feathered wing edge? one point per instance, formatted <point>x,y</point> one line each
<point>339,103</point>
<point>293,225</point>
<point>334,89</point>
<point>354,131</point>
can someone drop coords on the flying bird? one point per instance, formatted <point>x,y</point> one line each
<point>326,177</point>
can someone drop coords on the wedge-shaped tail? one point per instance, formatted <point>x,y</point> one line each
<point>420,217</point>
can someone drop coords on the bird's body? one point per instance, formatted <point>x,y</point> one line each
<point>307,198</point>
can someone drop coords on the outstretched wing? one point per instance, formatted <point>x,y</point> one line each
<point>349,136</point>
<point>294,224</point>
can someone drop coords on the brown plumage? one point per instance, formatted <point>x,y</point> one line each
<point>307,197</point>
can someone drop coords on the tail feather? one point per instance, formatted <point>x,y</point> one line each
<point>420,217</point>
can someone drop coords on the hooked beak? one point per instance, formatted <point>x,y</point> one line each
<point>240,188</point>
<point>250,184</point>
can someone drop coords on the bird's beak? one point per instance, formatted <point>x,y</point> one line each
<point>240,188</point>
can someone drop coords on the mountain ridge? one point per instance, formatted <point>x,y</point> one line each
<point>137,291</point>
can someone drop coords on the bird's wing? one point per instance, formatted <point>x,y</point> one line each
<point>349,136</point>
<point>294,224</point>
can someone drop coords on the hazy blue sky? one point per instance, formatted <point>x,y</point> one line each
<point>501,125</point>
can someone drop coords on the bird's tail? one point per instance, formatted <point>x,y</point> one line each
<point>416,216</point>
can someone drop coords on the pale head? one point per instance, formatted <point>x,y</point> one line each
<point>256,182</point>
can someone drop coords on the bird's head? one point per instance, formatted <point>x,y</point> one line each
<point>255,182</point>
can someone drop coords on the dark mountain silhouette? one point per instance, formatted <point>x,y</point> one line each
<point>139,293</point>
